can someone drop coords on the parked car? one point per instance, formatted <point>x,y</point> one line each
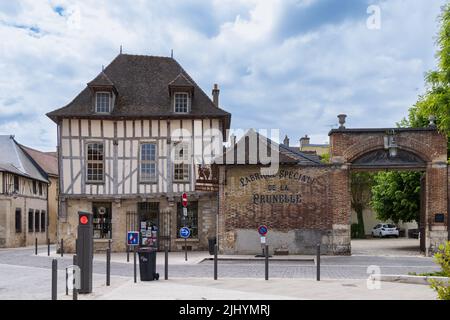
<point>385,230</point>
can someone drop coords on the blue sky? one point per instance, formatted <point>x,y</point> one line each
<point>291,65</point>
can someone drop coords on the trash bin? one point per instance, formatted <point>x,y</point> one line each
<point>211,244</point>
<point>147,264</point>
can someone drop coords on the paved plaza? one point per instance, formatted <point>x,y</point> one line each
<point>24,275</point>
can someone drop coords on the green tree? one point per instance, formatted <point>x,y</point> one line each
<point>361,184</point>
<point>436,99</point>
<point>396,196</point>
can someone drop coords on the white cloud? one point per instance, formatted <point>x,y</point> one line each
<point>296,82</point>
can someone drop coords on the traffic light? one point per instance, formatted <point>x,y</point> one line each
<point>84,219</point>
<point>85,250</point>
<point>184,200</point>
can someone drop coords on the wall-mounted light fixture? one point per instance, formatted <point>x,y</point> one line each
<point>390,143</point>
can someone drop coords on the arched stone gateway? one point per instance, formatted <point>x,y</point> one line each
<point>423,149</point>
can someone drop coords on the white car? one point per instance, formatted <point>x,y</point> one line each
<point>385,230</point>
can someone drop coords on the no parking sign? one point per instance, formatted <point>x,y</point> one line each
<point>262,230</point>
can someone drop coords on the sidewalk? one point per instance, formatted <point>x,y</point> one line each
<point>255,289</point>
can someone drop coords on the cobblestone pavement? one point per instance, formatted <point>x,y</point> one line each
<point>24,275</point>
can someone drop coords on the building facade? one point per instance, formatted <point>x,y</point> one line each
<point>48,162</point>
<point>23,197</point>
<point>139,135</point>
<point>306,202</point>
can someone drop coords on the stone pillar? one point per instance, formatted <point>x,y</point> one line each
<point>436,203</point>
<point>341,210</point>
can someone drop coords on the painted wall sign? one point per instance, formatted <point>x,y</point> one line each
<point>282,174</point>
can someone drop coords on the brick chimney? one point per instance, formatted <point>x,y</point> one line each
<point>286,141</point>
<point>215,94</point>
<point>304,141</point>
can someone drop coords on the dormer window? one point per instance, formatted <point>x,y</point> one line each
<point>102,102</point>
<point>181,102</point>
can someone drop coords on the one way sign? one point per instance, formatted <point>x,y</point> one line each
<point>133,238</point>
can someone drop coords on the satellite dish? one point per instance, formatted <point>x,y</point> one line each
<point>101,210</point>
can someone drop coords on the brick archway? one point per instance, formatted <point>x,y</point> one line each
<point>426,144</point>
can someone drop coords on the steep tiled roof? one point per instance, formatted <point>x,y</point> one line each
<point>286,155</point>
<point>13,159</point>
<point>142,83</point>
<point>48,161</point>
<point>101,80</point>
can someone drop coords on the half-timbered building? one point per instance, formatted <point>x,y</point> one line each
<point>138,136</point>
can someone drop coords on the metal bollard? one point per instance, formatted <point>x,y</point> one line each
<point>318,263</point>
<point>166,263</point>
<point>128,253</point>
<point>75,290</point>
<point>215,261</point>
<point>67,282</point>
<point>267,261</point>
<point>54,278</point>
<point>108,267</point>
<point>35,246</point>
<point>135,276</point>
<point>62,247</point>
<point>48,247</point>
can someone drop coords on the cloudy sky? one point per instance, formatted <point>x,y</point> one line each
<point>287,64</point>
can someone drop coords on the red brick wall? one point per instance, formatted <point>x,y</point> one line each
<point>243,208</point>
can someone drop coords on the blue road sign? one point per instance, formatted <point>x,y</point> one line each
<point>133,238</point>
<point>185,232</point>
<point>262,230</point>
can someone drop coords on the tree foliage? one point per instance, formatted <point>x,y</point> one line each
<point>361,184</point>
<point>396,196</point>
<point>436,99</point>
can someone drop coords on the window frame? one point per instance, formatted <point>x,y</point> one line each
<point>16,186</point>
<point>37,224</point>
<point>155,162</point>
<point>97,93</point>
<point>99,225</point>
<point>183,162</point>
<point>34,187</point>
<point>102,162</point>
<point>188,102</point>
<point>30,221</point>
<point>18,222</point>
<point>40,187</point>
<point>43,221</point>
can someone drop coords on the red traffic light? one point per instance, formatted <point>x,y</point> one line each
<point>184,200</point>
<point>84,220</point>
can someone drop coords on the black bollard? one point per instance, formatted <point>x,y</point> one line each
<point>108,267</point>
<point>267,261</point>
<point>35,246</point>
<point>54,278</point>
<point>75,290</point>
<point>62,247</point>
<point>166,263</point>
<point>215,261</point>
<point>318,263</point>
<point>67,282</point>
<point>48,247</point>
<point>135,276</point>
